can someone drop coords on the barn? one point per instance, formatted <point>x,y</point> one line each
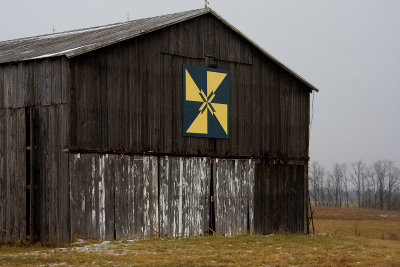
<point>175,125</point>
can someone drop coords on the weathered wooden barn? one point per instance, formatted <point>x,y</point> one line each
<point>91,141</point>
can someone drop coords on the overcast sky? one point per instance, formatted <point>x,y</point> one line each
<point>349,49</point>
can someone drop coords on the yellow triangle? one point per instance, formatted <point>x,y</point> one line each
<point>192,91</point>
<point>199,125</point>
<point>214,79</point>
<point>221,112</point>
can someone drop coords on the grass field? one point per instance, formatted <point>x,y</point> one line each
<point>369,223</point>
<point>344,237</point>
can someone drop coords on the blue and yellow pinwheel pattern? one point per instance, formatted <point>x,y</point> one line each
<point>205,102</point>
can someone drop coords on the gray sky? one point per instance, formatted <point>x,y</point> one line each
<point>349,49</point>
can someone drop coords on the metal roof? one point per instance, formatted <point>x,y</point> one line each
<point>77,42</point>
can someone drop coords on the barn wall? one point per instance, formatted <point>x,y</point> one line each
<point>234,196</point>
<point>51,207</point>
<point>42,85</point>
<point>12,174</point>
<point>184,196</point>
<point>138,196</point>
<point>126,196</point>
<point>34,83</point>
<point>131,92</point>
<point>280,198</point>
<point>113,196</point>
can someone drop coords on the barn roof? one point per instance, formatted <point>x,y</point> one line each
<point>77,42</point>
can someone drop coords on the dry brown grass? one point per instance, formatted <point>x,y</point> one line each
<point>369,223</point>
<point>333,213</point>
<point>272,250</point>
<point>329,249</point>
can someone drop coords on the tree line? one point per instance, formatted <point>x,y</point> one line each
<point>356,185</point>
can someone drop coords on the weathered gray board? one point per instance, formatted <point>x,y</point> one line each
<point>120,193</point>
<point>124,196</point>
<point>51,188</point>
<point>41,82</point>
<point>234,196</point>
<point>141,196</point>
<point>12,174</point>
<point>184,196</point>
<point>113,196</point>
<point>51,205</point>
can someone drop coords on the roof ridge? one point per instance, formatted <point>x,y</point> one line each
<point>98,27</point>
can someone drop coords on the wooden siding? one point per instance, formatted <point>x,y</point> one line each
<point>280,198</point>
<point>34,83</point>
<point>234,196</point>
<point>131,92</point>
<point>124,197</point>
<point>44,85</point>
<point>50,188</point>
<point>12,174</point>
<point>184,196</point>
<point>138,196</point>
<point>113,196</point>
<point>51,208</point>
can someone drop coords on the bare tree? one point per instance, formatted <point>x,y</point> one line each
<point>328,191</point>
<point>376,185</point>
<point>383,181</point>
<point>395,202</point>
<point>316,183</point>
<point>358,177</point>
<point>337,179</point>
<point>313,182</point>
<point>345,184</point>
<point>373,186</point>
<point>393,176</point>
<point>322,194</point>
<point>380,170</point>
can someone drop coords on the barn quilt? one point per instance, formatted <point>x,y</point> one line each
<point>206,102</point>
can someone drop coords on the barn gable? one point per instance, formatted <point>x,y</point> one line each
<point>146,91</point>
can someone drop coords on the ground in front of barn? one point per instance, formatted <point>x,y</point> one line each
<point>352,237</point>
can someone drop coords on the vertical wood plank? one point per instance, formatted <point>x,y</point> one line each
<point>233,196</point>
<point>184,196</point>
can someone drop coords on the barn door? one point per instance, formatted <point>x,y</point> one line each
<point>233,184</point>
